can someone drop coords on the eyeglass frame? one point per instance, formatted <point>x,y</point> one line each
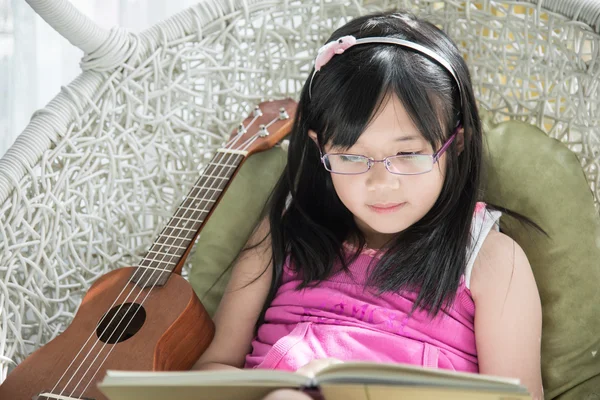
<point>371,161</point>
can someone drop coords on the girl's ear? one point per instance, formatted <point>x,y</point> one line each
<point>313,135</point>
<point>460,140</point>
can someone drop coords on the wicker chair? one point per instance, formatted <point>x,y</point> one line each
<point>96,174</point>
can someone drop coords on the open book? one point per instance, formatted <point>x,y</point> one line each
<point>348,381</point>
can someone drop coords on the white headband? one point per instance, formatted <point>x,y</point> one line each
<point>338,46</point>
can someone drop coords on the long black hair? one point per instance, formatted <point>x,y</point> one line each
<point>309,223</point>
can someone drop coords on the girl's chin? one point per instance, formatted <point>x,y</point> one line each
<point>386,226</point>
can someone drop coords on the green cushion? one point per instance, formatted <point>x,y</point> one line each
<point>529,173</point>
<point>540,178</point>
<point>231,223</point>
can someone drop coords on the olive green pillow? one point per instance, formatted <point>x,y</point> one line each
<point>528,172</point>
<point>232,222</point>
<point>539,177</point>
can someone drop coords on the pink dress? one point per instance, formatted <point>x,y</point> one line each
<point>340,319</point>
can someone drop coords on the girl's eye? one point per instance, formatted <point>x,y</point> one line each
<point>351,158</point>
<point>408,153</point>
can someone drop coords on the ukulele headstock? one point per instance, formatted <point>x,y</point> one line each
<point>267,125</point>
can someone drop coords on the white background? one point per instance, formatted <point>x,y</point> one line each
<point>35,61</point>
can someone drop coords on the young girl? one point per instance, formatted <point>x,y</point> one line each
<point>375,247</point>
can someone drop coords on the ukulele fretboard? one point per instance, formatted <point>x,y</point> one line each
<point>178,235</point>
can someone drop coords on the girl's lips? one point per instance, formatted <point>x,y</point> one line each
<point>386,208</point>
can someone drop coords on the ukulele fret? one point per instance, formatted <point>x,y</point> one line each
<point>216,177</point>
<point>222,165</point>
<point>209,188</point>
<point>168,246</point>
<point>194,209</point>
<point>156,268</point>
<point>183,219</point>
<point>163,253</point>
<point>198,200</point>
<point>184,229</point>
<point>171,237</point>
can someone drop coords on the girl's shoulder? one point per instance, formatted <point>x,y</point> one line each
<point>497,261</point>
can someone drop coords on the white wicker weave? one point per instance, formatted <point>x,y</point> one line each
<point>95,175</point>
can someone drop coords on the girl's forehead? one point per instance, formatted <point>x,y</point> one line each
<point>391,123</point>
<point>391,113</point>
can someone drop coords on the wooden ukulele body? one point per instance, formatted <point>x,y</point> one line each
<point>176,331</point>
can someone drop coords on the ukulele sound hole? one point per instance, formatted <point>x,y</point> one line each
<point>121,323</point>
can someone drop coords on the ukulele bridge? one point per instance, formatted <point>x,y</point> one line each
<point>51,396</point>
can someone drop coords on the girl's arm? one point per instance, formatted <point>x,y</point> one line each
<point>508,314</point>
<point>240,305</point>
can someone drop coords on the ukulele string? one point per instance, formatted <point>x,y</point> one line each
<point>246,145</point>
<point>231,142</point>
<point>229,156</point>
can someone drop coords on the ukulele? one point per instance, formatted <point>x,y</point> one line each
<point>146,317</point>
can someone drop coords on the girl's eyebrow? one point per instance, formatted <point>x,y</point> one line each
<point>401,139</point>
<point>407,138</point>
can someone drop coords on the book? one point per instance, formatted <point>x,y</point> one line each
<point>347,381</point>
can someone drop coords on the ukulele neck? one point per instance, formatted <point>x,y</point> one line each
<point>169,250</point>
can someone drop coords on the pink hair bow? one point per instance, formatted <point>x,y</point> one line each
<point>332,48</point>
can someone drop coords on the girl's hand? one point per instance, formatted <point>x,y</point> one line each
<point>314,366</point>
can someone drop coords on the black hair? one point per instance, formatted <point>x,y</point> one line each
<point>346,95</point>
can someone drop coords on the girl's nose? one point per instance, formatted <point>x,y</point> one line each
<point>379,178</point>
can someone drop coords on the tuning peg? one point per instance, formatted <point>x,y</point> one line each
<point>257,111</point>
<point>262,131</point>
<point>241,129</point>
<point>283,114</point>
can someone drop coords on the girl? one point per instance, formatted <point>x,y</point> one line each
<point>375,247</point>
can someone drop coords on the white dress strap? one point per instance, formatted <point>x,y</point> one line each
<point>484,221</point>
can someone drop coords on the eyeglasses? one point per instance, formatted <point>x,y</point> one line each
<point>401,164</point>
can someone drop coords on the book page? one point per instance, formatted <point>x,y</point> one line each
<point>400,374</point>
<point>390,392</point>
<point>204,378</point>
<point>187,393</point>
